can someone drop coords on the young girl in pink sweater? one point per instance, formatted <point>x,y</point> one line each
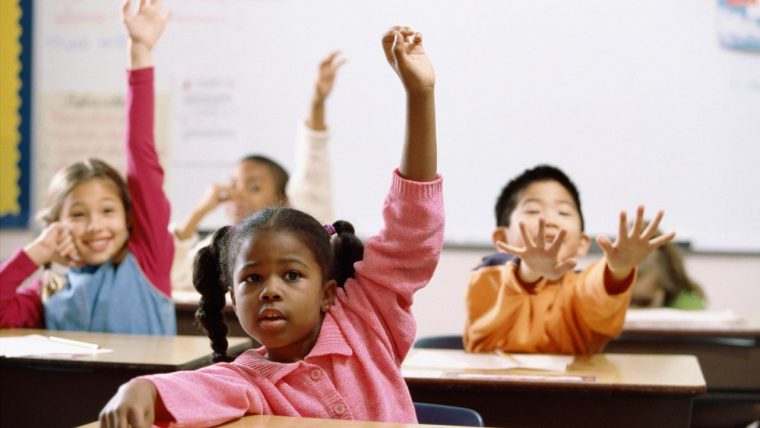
<point>334,317</point>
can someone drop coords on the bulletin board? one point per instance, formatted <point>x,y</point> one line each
<point>16,19</point>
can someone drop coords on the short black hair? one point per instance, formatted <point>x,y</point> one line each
<point>510,194</point>
<point>279,174</point>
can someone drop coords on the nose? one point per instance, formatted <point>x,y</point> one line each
<point>270,292</point>
<point>94,223</point>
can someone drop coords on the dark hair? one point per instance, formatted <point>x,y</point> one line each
<point>510,194</point>
<point>212,272</point>
<point>281,176</point>
<point>672,277</point>
<point>66,179</point>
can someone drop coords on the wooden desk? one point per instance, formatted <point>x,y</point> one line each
<point>185,305</point>
<point>728,353</point>
<point>68,391</point>
<point>599,391</point>
<point>263,421</point>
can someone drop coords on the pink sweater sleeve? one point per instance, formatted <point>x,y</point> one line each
<point>221,390</point>
<point>150,240</point>
<point>399,261</point>
<point>19,307</point>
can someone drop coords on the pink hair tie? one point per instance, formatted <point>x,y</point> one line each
<point>330,229</point>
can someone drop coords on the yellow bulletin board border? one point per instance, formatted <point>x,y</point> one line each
<point>15,112</point>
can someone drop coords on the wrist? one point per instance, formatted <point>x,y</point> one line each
<point>526,275</point>
<point>37,253</point>
<point>140,55</point>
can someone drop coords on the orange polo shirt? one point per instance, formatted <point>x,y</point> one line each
<point>573,315</point>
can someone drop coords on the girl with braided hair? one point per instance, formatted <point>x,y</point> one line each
<point>334,317</point>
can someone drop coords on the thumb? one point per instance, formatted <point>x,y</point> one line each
<point>605,244</point>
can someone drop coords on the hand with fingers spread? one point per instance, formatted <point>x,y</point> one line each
<point>132,406</point>
<point>144,29</point>
<point>54,244</point>
<point>406,55</point>
<point>537,258</point>
<point>633,244</point>
<point>328,69</point>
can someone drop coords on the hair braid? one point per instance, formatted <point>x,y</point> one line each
<point>208,280</point>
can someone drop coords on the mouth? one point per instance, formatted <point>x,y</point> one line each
<point>98,244</point>
<point>271,319</point>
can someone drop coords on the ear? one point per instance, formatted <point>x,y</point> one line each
<point>499,234</point>
<point>584,245</point>
<point>234,304</point>
<point>328,295</point>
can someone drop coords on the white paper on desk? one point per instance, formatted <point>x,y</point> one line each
<point>37,345</point>
<point>437,360</point>
<point>668,316</point>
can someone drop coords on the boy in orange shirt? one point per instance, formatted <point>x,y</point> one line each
<point>528,298</point>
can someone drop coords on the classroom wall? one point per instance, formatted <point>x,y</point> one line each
<point>638,101</point>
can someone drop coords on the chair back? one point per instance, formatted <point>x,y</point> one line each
<point>440,342</point>
<point>439,414</point>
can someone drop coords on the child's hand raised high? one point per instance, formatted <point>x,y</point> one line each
<point>406,55</point>
<point>144,29</point>
<point>632,245</point>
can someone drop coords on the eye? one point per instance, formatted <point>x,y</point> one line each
<point>292,275</point>
<point>253,188</point>
<point>532,211</point>
<point>76,215</point>
<point>565,213</point>
<point>252,279</point>
<point>109,210</point>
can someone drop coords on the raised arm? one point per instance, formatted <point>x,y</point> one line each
<point>406,55</point>
<point>310,185</point>
<point>150,240</point>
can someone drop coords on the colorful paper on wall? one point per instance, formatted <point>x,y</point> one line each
<point>15,112</point>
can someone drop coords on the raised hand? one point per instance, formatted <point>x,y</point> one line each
<point>537,258</point>
<point>328,69</point>
<point>144,29</point>
<point>633,244</point>
<point>406,55</point>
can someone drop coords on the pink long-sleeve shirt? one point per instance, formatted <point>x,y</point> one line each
<point>353,370</point>
<point>150,242</point>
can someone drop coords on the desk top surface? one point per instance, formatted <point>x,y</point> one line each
<point>268,421</point>
<point>159,352</point>
<point>658,374</point>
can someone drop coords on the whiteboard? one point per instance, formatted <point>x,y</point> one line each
<point>636,101</point>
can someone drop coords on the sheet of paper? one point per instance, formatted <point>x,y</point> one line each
<point>457,360</point>
<point>37,345</point>
<point>668,316</point>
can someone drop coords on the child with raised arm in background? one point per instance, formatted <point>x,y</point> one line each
<point>111,234</point>
<point>258,182</point>
<point>529,298</point>
<point>334,317</point>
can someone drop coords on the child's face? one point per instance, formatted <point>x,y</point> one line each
<point>551,201</point>
<point>279,295</point>
<point>94,212</point>
<point>254,188</point>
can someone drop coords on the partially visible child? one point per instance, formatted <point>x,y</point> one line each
<point>662,281</point>
<point>258,182</point>
<point>530,299</point>
<point>112,235</point>
<point>334,317</point>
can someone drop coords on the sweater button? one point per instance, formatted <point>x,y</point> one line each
<point>316,374</point>
<point>339,409</point>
